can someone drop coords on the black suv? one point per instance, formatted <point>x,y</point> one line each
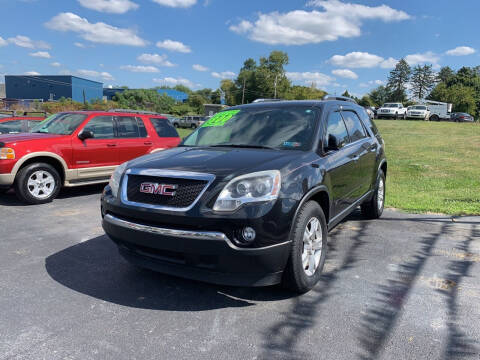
<point>248,198</point>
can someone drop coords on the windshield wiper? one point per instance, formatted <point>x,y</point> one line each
<point>248,146</point>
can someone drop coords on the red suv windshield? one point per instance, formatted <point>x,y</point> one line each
<point>60,124</point>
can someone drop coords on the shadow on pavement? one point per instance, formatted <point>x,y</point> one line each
<point>458,344</point>
<point>281,339</point>
<point>96,269</point>
<point>10,199</point>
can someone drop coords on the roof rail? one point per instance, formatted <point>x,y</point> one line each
<point>265,100</point>
<point>134,111</point>
<point>339,98</point>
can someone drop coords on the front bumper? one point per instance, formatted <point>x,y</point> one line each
<point>387,115</point>
<point>200,255</point>
<point>416,116</point>
<point>7,179</point>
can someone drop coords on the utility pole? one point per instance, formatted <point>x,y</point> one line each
<point>275,85</point>
<point>243,94</point>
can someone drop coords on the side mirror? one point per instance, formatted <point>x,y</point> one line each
<point>333,143</point>
<point>85,134</point>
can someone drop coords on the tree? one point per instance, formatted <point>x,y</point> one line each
<point>366,101</point>
<point>230,90</point>
<point>422,81</point>
<point>462,97</point>
<point>446,74</point>
<point>398,80</point>
<point>297,92</point>
<point>270,76</point>
<point>144,100</point>
<point>379,95</point>
<point>246,82</point>
<point>346,94</point>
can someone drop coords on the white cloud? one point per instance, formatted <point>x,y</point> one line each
<point>199,67</point>
<point>26,42</point>
<point>299,27</point>
<point>371,83</point>
<point>345,73</point>
<point>176,3</point>
<point>56,64</point>
<point>96,74</point>
<point>140,68</point>
<point>174,46</point>
<point>310,77</point>
<point>358,59</point>
<point>32,73</point>
<point>157,59</point>
<point>388,63</point>
<point>79,44</point>
<point>223,75</point>
<point>95,32</point>
<point>3,42</point>
<point>109,6</point>
<point>41,54</point>
<point>427,57</point>
<point>461,51</point>
<point>242,27</point>
<point>170,81</point>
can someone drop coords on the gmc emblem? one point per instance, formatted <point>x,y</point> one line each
<point>158,189</point>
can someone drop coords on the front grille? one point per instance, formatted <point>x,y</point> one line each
<point>186,193</point>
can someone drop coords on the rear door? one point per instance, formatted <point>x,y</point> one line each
<point>340,164</point>
<point>96,157</point>
<point>132,138</point>
<point>167,134</point>
<point>363,150</point>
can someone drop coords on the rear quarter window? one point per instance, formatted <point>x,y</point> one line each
<point>164,127</point>
<point>369,124</point>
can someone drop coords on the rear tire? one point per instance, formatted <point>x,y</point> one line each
<point>176,125</point>
<point>373,208</point>
<point>37,183</point>
<point>307,257</point>
<point>434,118</point>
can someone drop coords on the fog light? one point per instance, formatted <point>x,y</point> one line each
<point>248,234</point>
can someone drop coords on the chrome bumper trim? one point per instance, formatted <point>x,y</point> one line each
<point>187,234</point>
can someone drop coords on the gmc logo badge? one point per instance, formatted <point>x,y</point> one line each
<point>158,189</point>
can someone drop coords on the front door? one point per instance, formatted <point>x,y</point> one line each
<point>96,158</point>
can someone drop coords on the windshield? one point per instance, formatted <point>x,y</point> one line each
<point>290,128</point>
<point>60,124</point>
<point>390,105</point>
<point>419,107</point>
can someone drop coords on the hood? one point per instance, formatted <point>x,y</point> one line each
<point>221,162</point>
<point>15,138</point>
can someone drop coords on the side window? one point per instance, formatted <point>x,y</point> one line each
<point>11,127</point>
<point>101,127</point>
<point>354,126</point>
<point>163,127</point>
<point>127,127</point>
<point>31,124</point>
<point>368,122</point>
<point>336,127</point>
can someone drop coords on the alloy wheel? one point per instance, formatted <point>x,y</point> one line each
<point>312,246</point>
<point>41,184</point>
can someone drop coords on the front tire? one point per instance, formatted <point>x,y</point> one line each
<point>309,249</point>
<point>37,183</point>
<point>373,208</point>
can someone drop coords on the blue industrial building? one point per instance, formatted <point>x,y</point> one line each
<point>174,94</point>
<point>52,87</point>
<point>109,93</point>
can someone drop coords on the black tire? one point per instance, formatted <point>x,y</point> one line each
<point>175,125</point>
<point>193,126</point>
<point>434,118</point>
<point>371,209</point>
<point>23,190</point>
<point>295,277</point>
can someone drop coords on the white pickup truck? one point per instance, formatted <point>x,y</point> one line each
<point>392,110</point>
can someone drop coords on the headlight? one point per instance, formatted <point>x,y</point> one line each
<point>255,187</point>
<point>7,154</point>
<point>116,177</point>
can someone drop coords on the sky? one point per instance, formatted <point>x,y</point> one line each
<point>334,44</point>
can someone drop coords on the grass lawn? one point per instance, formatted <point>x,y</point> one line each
<point>432,167</point>
<point>184,132</point>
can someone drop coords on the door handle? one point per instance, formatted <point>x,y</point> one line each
<point>355,157</point>
<point>111,145</point>
<point>148,143</point>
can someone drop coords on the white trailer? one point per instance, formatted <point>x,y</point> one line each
<point>438,110</point>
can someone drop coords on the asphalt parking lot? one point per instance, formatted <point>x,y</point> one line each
<point>402,287</point>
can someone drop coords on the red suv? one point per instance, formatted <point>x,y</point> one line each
<point>78,148</point>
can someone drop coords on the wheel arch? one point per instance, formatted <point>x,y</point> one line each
<point>42,157</point>
<point>319,194</point>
